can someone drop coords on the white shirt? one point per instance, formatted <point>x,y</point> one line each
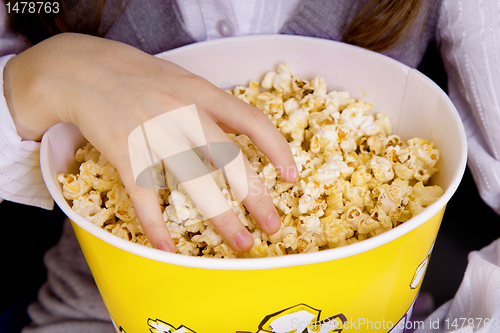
<point>211,19</point>
<point>469,33</point>
<point>20,176</point>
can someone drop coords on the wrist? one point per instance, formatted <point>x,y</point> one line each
<point>22,91</point>
<point>36,84</point>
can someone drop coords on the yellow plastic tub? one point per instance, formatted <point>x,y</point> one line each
<point>367,286</point>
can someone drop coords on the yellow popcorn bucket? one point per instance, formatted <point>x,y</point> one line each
<point>366,286</point>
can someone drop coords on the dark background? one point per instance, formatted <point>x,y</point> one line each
<point>27,233</point>
<point>468,225</point>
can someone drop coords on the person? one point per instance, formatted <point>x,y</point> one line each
<point>78,78</point>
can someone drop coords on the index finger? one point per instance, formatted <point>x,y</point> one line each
<point>247,119</point>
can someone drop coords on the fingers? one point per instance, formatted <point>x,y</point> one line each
<point>259,203</point>
<point>173,138</point>
<point>196,179</point>
<point>249,188</point>
<point>150,217</point>
<point>244,118</point>
<point>138,179</point>
<point>233,231</point>
<point>244,181</point>
<point>209,199</point>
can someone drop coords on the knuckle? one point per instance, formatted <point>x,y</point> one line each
<point>283,149</point>
<point>202,184</point>
<point>255,117</point>
<point>224,220</point>
<point>193,173</point>
<point>151,228</point>
<point>134,190</point>
<point>261,200</point>
<point>195,82</point>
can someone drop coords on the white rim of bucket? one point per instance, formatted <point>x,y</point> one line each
<point>269,262</point>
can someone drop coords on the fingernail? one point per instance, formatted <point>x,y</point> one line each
<point>273,222</point>
<point>244,240</point>
<point>163,245</point>
<point>293,173</point>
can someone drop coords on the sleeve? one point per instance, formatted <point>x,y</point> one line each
<point>20,176</point>
<point>469,44</point>
<point>470,47</point>
<point>476,306</point>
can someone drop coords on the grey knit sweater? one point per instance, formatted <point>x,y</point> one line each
<point>155,26</point>
<point>70,301</point>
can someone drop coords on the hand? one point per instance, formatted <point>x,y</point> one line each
<point>108,89</point>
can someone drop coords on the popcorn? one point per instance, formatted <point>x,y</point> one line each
<point>123,230</point>
<point>309,224</point>
<point>224,251</point>
<point>269,175</point>
<point>356,179</point>
<point>381,169</point>
<point>89,205</point>
<point>290,238</point>
<point>281,80</point>
<point>306,243</point>
<point>186,247</point>
<point>87,153</point>
<point>73,186</point>
<point>100,174</point>
<point>392,198</point>
<point>423,196</point>
<point>337,231</point>
<point>209,236</point>
<point>332,169</point>
<point>120,200</point>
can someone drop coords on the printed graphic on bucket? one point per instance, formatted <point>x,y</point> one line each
<point>420,271</point>
<point>299,318</point>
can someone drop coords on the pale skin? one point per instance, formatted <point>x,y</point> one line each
<point>107,89</point>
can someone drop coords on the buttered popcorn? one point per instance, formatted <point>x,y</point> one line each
<point>356,179</point>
